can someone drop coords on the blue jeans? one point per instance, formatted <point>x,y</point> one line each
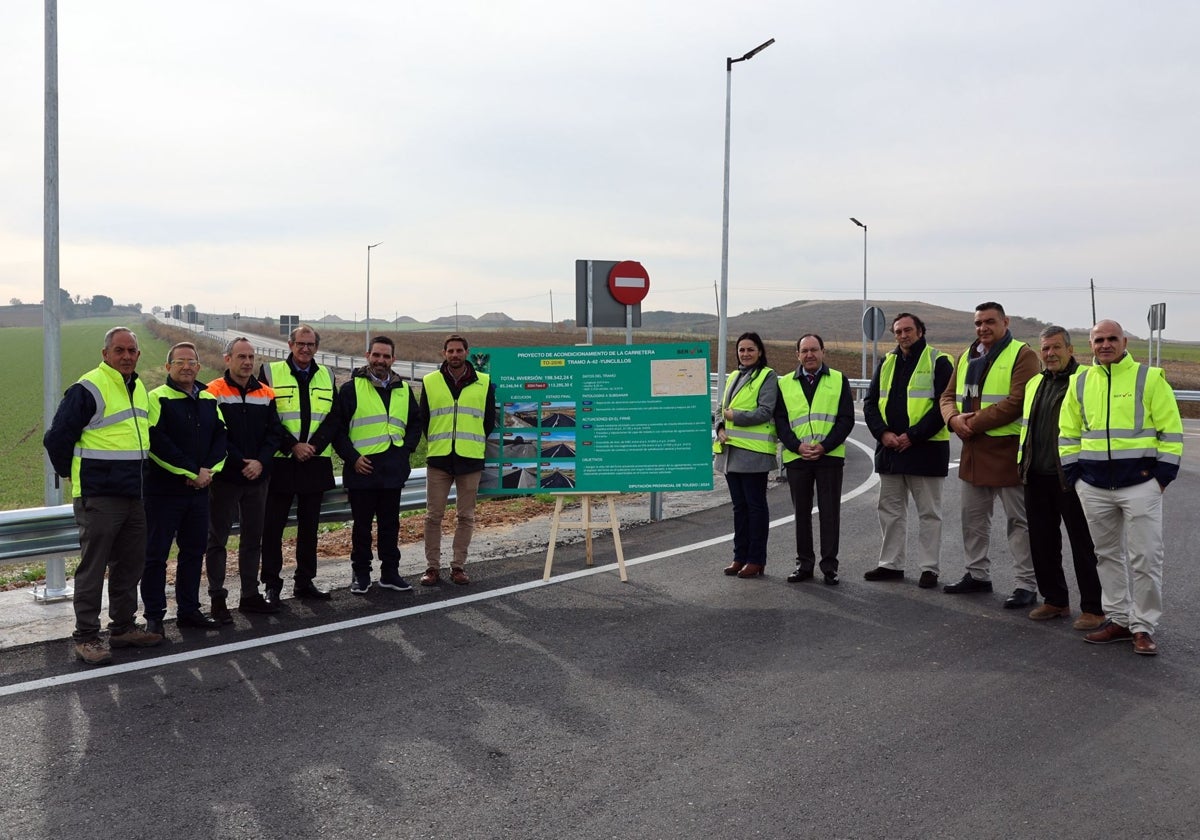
<point>184,520</point>
<point>751,517</point>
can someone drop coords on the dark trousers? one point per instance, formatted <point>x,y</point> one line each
<point>247,503</point>
<point>824,474</point>
<point>1046,506</point>
<point>183,520</point>
<point>308,516</point>
<point>382,506</point>
<point>751,517</point>
<point>112,539</point>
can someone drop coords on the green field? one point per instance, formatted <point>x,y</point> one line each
<point>22,458</point>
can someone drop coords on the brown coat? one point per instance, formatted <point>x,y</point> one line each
<point>989,461</point>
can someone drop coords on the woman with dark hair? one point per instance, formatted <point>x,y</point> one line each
<point>747,444</point>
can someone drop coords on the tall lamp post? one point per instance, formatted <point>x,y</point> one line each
<point>723,303</point>
<point>367,352</point>
<point>864,331</point>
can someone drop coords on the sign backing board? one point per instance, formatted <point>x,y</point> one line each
<point>613,418</point>
<point>606,310</point>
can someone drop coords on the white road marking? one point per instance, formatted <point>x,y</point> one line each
<point>109,671</point>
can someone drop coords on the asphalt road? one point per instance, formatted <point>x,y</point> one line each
<point>681,704</point>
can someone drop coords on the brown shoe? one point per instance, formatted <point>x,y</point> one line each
<point>1088,621</point>
<point>431,577</point>
<point>134,637</point>
<point>93,652</point>
<point>1048,611</point>
<point>1144,644</point>
<point>1108,633</point>
<point>733,568</point>
<point>457,575</point>
<point>751,570</point>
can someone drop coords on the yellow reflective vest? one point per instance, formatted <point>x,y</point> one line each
<point>757,438</point>
<point>455,425</point>
<point>287,399</point>
<point>921,397</point>
<point>373,429</point>
<point>995,386</point>
<point>1120,426</point>
<point>118,431</point>
<point>812,422</point>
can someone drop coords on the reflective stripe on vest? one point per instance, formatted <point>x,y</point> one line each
<point>812,422</point>
<point>759,437</point>
<point>455,425</point>
<point>119,430</point>
<point>995,387</point>
<point>921,397</point>
<point>287,399</point>
<point>373,429</point>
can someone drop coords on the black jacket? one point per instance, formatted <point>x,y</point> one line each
<point>252,426</point>
<point>187,434</point>
<point>390,469</point>
<point>925,457</point>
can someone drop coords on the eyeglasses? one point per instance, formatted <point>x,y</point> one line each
<point>185,363</point>
<point>305,345</point>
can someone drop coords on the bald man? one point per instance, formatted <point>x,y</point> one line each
<point>1121,441</point>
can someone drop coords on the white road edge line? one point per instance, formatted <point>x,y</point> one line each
<point>105,672</point>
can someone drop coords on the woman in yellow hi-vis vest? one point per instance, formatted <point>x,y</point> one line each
<point>746,447</point>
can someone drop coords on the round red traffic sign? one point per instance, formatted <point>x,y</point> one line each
<point>629,282</point>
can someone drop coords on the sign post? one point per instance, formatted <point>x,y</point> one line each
<point>874,323</point>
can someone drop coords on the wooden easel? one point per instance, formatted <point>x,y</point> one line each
<point>587,524</point>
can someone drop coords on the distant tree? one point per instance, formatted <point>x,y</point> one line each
<point>268,321</point>
<point>137,307</point>
<point>14,301</point>
<point>65,304</point>
<point>190,307</point>
<point>154,309</point>
<point>101,304</point>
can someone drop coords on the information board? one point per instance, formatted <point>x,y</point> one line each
<point>598,419</point>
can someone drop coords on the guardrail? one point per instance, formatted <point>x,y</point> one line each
<point>49,531</point>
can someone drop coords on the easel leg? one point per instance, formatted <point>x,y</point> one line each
<point>616,531</point>
<point>558,503</point>
<point>587,527</point>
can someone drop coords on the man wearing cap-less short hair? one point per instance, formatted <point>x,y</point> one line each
<point>99,439</point>
<point>982,405</point>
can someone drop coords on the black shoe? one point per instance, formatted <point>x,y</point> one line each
<point>258,605</point>
<point>392,580</point>
<point>220,610</point>
<point>884,573</point>
<point>968,585</point>
<point>928,580</point>
<point>273,597</point>
<point>155,625</point>
<point>1020,598</point>
<point>800,575</point>
<point>831,578</point>
<point>195,618</point>
<point>308,590</point>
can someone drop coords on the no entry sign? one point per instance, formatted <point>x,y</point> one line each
<point>629,282</point>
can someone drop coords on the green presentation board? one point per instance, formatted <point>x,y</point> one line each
<point>598,419</point>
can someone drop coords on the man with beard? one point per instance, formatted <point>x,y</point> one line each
<point>458,408</point>
<point>378,427</point>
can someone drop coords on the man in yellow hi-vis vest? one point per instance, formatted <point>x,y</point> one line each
<point>813,417</point>
<point>912,453</point>
<point>99,438</point>
<point>982,405</point>
<point>458,408</point>
<point>1121,441</point>
<point>303,468</point>
<point>378,427</point>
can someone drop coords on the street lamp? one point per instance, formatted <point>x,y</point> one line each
<point>367,352</point>
<point>864,329</point>
<point>723,303</point>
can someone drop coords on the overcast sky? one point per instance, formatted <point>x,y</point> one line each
<point>243,155</point>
